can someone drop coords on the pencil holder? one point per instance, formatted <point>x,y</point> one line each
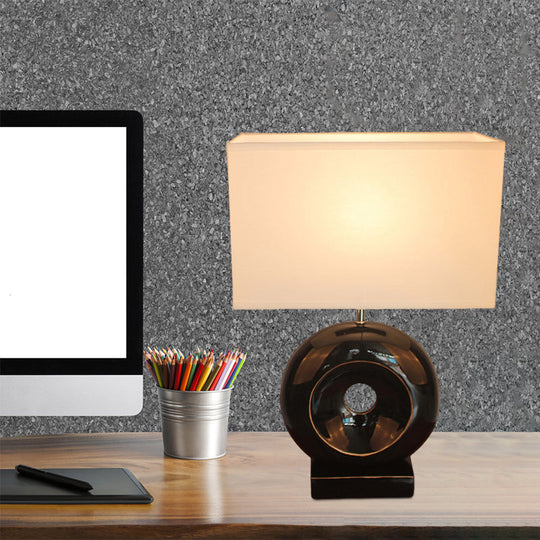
<point>194,424</point>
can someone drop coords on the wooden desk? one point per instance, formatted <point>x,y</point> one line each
<point>468,485</point>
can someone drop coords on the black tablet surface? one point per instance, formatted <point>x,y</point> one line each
<point>110,486</point>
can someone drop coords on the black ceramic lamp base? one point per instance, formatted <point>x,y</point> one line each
<point>360,453</point>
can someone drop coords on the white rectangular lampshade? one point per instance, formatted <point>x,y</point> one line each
<point>364,220</point>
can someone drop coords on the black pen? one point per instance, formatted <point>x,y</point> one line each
<point>52,478</point>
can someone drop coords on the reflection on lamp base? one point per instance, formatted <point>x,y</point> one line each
<point>331,480</point>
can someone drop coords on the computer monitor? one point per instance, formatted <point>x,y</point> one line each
<point>71,263</point>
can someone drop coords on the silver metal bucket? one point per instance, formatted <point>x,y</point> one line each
<point>194,423</point>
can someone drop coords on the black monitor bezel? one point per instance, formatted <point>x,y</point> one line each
<point>132,364</point>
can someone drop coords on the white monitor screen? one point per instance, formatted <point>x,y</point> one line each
<point>63,242</point>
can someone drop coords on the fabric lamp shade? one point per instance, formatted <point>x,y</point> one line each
<point>364,220</point>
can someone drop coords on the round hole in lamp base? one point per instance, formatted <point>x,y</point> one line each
<point>360,453</point>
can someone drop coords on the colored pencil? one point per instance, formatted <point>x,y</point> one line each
<point>158,374</point>
<point>197,376</point>
<point>230,382</point>
<point>204,375</point>
<point>218,375</point>
<point>198,371</point>
<point>165,372</point>
<point>194,367</point>
<point>185,378</point>
<point>230,373</point>
<point>151,370</point>
<point>212,376</point>
<point>178,374</point>
<point>224,375</point>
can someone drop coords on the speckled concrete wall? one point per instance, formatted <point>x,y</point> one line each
<point>202,72</point>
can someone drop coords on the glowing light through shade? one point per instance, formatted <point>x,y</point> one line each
<point>371,220</point>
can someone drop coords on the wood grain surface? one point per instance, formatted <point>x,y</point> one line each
<point>482,485</point>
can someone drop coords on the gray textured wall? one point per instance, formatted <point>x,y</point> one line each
<point>202,72</point>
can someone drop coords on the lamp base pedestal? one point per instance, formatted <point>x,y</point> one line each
<point>338,481</point>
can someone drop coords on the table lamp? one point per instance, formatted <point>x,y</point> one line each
<point>363,221</point>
